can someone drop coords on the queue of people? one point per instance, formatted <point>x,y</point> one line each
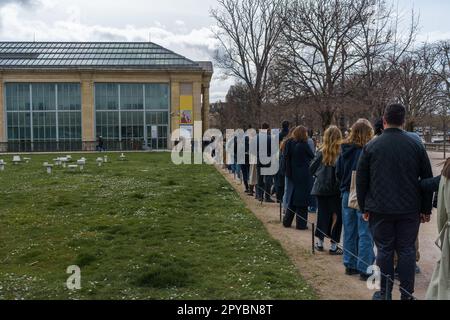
<point>372,188</point>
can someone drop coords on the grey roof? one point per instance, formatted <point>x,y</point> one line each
<point>207,66</point>
<point>93,55</point>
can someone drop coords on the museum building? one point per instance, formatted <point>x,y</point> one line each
<point>61,96</point>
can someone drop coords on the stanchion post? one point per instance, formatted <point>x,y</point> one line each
<point>281,211</point>
<point>388,280</point>
<point>313,231</point>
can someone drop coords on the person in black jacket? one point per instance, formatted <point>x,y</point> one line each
<point>326,189</point>
<point>298,156</point>
<point>388,188</point>
<point>284,130</point>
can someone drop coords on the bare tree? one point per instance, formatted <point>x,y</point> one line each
<point>441,69</point>
<point>381,48</point>
<point>247,31</point>
<point>417,85</point>
<point>317,51</point>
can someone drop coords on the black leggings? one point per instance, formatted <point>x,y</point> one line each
<point>301,215</point>
<point>327,207</point>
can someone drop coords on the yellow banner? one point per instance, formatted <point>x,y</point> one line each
<point>186,110</point>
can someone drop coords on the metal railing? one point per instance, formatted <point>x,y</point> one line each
<point>438,147</point>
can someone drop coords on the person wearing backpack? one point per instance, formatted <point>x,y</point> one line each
<point>326,189</point>
<point>358,242</point>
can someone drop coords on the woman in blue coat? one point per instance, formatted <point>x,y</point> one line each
<point>358,242</point>
<point>298,157</point>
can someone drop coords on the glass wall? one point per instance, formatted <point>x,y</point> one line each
<point>43,116</point>
<point>132,116</point>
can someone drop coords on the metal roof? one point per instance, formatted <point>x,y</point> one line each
<point>93,55</point>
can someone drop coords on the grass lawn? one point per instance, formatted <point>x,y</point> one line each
<point>139,229</point>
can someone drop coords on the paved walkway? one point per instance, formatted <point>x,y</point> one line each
<point>325,273</point>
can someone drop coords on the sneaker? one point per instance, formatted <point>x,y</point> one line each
<point>269,201</point>
<point>379,296</point>
<point>319,247</point>
<point>337,252</point>
<point>364,276</point>
<point>407,298</point>
<point>351,271</point>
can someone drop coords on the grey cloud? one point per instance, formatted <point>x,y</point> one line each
<point>21,2</point>
<point>108,36</point>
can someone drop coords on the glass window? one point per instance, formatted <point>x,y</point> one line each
<point>131,97</point>
<point>17,96</point>
<point>39,125</point>
<point>69,125</point>
<point>156,96</point>
<point>69,96</point>
<point>124,119</point>
<point>44,126</point>
<point>106,96</point>
<point>132,125</point>
<point>43,96</point>
<point>108,124</point>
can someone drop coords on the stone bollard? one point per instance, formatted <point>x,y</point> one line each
<point>99,161</point>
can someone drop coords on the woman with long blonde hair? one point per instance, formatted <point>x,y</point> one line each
<point>358,240</point>
<point>326,189</point>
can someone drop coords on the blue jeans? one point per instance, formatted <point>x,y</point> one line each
<point>264,187</point>
<point>357,238</point>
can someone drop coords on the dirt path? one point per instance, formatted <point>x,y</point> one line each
<point>323,272</point>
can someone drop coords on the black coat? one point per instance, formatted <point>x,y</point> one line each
<point>389,173</point>
<point>346,164</point>
<point>283,134</point>
<point>300,156</point>
<point>268,152</point>
<point>326,183</point>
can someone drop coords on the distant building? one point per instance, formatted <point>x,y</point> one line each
<point>59,96</point>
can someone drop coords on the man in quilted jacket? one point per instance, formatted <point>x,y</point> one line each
<point>388,188</point>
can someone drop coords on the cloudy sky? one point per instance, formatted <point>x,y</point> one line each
<point>183,26</point>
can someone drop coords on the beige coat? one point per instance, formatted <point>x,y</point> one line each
<point>440,283</point>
